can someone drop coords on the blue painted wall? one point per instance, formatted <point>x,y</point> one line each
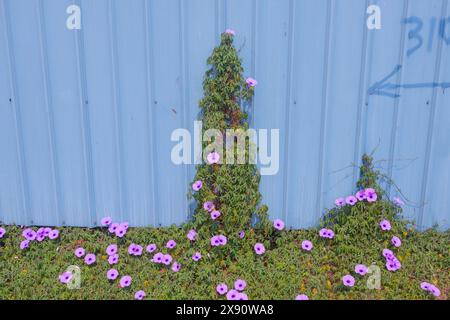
<point>86,115</point>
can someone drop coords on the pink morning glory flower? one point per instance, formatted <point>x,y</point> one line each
<point>307,245</point>
<point>215,241</point>
<point>166,259</point>
<point>251,82</point>
<point>240,285</point>
<point>213,157</point>
<point>241,234</point>
<point>396,241</point>
<point>371,194</point>
<point>176,267</point>
<point>139,295</point>
<point>361,195</point>
<point>197,256</point>
<point>242,296</point>
<point>65,277</point>
<point>150,248</point>
<point>53,234</point>
<point>29,234</point>
<point>215,214</point>
<point>230,32</point>
<point>113,259</point>
<point>208,206</point>
<point>302,297</point>
<point>79,252</point>
<point>387,253</point>
<point>385,225</point>
<point>278,224</point>
<point>192,235</point>
<point>361,269</point>
<point>24,244</point>
<point>125,281</point>
<point>111,249</point>
<point>135,249</point>
<point>113,227</point>
<point>112,274</point>
<point>222,240</point>
<point>434,290</point>
<point>348,280</point>
<point>197,185</point>
<point>222,288</point>
<point>171,244</point>
<point>89,259</point>
<point>339,202</point>
<point>259,248</point>
<point>120,231</point>
<point>2,232</point>
<point>158,257</point>
<point>106,221</point>
<point>232,294</point>
<point>326,233</point>
<point>351,200</point>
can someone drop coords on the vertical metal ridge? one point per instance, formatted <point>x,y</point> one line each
<point>225,14</point>
<point>22,168</point>
<point>216,20</point>
<point>289,74</point>
<point>431,120</point>
<point>116,102</point>
<point>183,88</point>
<point>324,108</point>
<point>50,113</point>
<point>360,104</point>
<point>150,115</point>
<point>396,102</point>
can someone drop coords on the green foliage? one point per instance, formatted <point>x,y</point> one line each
<point>233,188</point>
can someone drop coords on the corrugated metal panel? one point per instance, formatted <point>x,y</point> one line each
<point>86,115</point>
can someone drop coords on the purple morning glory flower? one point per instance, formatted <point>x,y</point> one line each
<point>351,200</point>
<point>232,294</point>
<point>230,32</point>
<point>192,235</point>
<point>259,248</point>
<point>387,253</point>
<point>167,259</point>
<point>399,202</point>
<point>139,295</point>
<point>396,241</point>
<point>113,259</point>
<point>40,237</point>
<point>393,265</point>
<point>425,286</point>
<point>150,248</point>
<point>215,241</point>
<point>326,233</point>
<point>251,82</point>
<point>213,157</point>
<point>47,231</point>
<point>222,240</point>
<point>79,252</point>
<point>111,249</point>
<point>241,234</point>
<point>135,249</point>
<point>89,259</point>
<point>348,281</point>
<point>112,274</point>
<point>330,234</point>
<point>2,232</point>
<point>278,224</point>
<point>222,288</point>
<point>113,227</point>
<point>124,225</point>
<point>339,202</point>
<point>371,195</point>
<point>24,244</point>
<point>215,214</point>
<point>65,277</point>
<point>302,297</point>
<point>176,267</point>
<point>125,281</point>
<point>158,257</point>
<point>53,234</point>
<point>242,296</point>
<point>307,245</point>
<point>434,290</point>
<point>106,221</point>
<point>240,285</point>
<point>29,234</point>
<point>361,269</point>
<point>120,231</point>
<point>197,256</point>
<point>197,185</point>
<point>361,195</point>
<point>171,244</point>
<point>208,206</point>
<point>385,225</point>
